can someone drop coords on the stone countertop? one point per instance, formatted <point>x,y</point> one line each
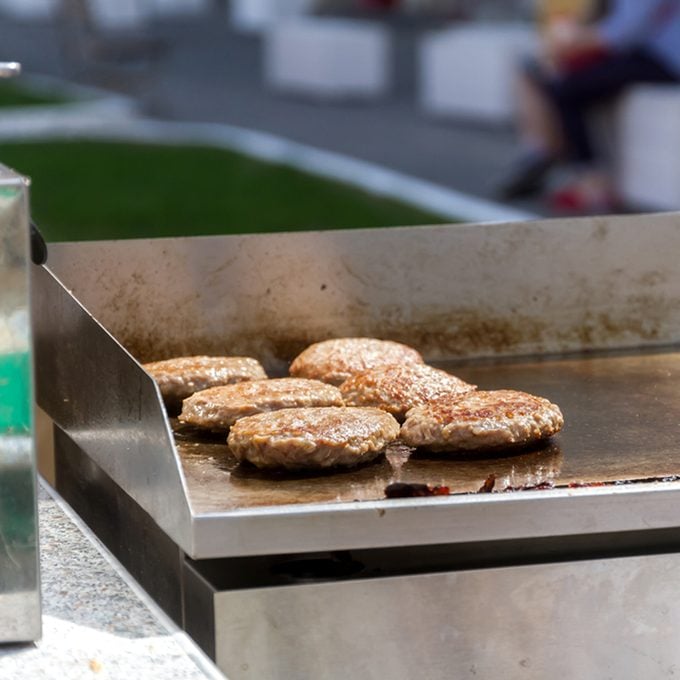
<point>97,623</point>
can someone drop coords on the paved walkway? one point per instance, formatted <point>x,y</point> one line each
<point>209,73</point>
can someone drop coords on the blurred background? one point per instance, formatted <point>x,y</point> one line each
<point>165,117</point>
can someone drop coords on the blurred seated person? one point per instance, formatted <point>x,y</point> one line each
<point>574,10</point>
<point>584,64</point>
<point>380,4</point>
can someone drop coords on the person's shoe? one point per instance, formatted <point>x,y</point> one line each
<point>574,200</point>
<point>526,178</point>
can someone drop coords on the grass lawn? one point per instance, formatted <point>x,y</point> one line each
<point>14,94</point>
<point>102,190</point>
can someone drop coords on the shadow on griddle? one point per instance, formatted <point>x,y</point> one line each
<point>196,434</point>
<point>527,467</point>
<point>387,464</point>
<point>247,471</point>
<point>547,446</point>
<point>173,408</point>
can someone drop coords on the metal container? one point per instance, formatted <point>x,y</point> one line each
<point>323,577</point>
<point>19,574</point>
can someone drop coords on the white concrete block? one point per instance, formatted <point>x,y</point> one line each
<point>651,185</point>
<point>323,57</point>
<point>168,8</point>
<point>29,9</point>
<point>255,16</point>
<point>649,146</point>
<point>648,117</point>
<point>469,72</point>
<point>120,14</point>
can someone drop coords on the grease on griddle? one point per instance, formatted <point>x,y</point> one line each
<point>625,482</point>
<point>549,484</point>
<point>540,486</point>
<point>406,490</point>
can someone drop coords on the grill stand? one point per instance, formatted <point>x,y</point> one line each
<point>488,609</point>
<point>569,582</point>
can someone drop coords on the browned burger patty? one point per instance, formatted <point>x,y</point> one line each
<point>481,420</point>
<point>218,408</point>
<point>181,377</point>
<point>308,438</point>
<point>333,361</point>
<point>398,388</point>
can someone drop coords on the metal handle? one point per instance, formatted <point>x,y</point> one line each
<point>38,246</point>
<point>9,69</point>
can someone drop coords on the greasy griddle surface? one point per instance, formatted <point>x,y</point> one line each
<point>622,422</point>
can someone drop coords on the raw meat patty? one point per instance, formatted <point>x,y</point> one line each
<point>481,420</point>
<point>220,407</point>
<point>398,388</point>
<point>333,361</point>
<point>307,438</point>
<point>179,378</point>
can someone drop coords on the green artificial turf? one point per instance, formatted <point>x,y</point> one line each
<point>100,190</point>
<point>15,94</point>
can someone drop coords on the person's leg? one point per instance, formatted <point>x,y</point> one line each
<point>538,126</point>
<point>539,132</point>
<point>552,119</point>
<point>574,95</point>
<point>591,188</point>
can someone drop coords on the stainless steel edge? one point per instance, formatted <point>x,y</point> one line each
<point>9,69</point>
<point>599,619</point>
<point>461,290</point>
<point>19,550</point>
<point>93,389</point>
<point>451,291</point>
<point>455,519</point>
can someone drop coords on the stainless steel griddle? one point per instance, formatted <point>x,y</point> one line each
<point>584,312</point>
<point>601,443</point>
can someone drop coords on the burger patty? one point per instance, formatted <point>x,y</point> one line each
<point>309,438</point>
<point>398,388</point>
<point>218,408</point>
<point>333,361</point>
<point>179,378</point>
<point>481,420</point>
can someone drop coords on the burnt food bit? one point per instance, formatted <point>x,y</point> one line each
<point>489,484</point>
<point>406,490</point>
<point>312,438</point>
<point>481,421</point>
<point>334,361</point>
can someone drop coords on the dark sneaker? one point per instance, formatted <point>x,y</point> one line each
<point>526,178</point>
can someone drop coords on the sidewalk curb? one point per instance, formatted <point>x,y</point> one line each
<point>112,117</point>
<point>89,104</point>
